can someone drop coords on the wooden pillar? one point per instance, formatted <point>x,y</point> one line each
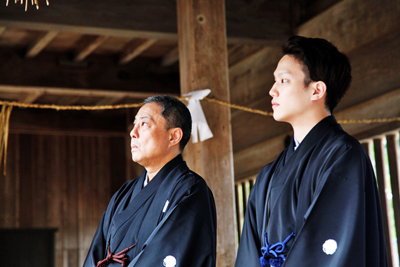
<point>204,64</point>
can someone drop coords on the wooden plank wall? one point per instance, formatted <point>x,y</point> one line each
<point>63,182</point>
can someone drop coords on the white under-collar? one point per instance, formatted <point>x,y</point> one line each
<point>296,143</point>
<point>146,180</point>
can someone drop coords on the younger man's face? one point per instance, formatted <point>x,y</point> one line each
<point>290,97</point>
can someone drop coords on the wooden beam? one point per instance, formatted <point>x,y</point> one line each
<point>251,78</point>
<point>38,91</point>
<point>246,22</point>
<point>312,8</point>
<point>63,123</point>
<point>250,161</point>
<point>41,43</point>
<point>351,24</point>
<point>54,70</point>
<point>170,58</point>
<point>127,33</point>
<point>90,48</point>
<point>377,131</point>
<point>30,96</point>
<point>71,28</point>
<point>131,53</point>
<point>384,106</point>
<point>67,100</point>
<point>110,100</point>
<point>204,64</point>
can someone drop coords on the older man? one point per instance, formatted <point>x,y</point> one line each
<point>166,216</point>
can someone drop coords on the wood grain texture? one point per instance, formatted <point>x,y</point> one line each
<point>62,182</point>
<point>380,175</point>
<point>393,160</point>
<point>203,64</point>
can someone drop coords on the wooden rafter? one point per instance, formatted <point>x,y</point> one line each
<point>41,43</point>
<point>126,33</point>
<point>90,48</point>
<point>132,53</point>
<point>370,21</point>
<point>31,97</point>
<point>38,91</point>
<point>109,100</point>
<point>170,58</point>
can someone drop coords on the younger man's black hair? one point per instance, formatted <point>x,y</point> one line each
<point>322,62</point>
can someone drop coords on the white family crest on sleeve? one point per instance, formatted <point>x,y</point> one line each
<point>329,247</point>
<point>169,261</point>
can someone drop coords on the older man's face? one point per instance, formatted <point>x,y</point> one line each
<point>149,136</point>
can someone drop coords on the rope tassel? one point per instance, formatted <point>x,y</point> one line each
<point>272,255</point>
<point>119,257</point>
<point>4,127</point>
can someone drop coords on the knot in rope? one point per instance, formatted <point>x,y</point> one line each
<point>272,254</point>
<point>119,257</point>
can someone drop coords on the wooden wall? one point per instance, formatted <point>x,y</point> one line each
<point>63,182</point>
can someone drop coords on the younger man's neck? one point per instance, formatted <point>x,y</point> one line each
<point>303,126</point>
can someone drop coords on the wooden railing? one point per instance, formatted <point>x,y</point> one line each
<point>384,153</point>
<point>242,192</point>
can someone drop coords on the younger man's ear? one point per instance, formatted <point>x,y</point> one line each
<point>319,90</point>
<point>175,136</point>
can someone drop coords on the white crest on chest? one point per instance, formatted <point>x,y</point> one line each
<point>329,247</point>
<point>169,261</point>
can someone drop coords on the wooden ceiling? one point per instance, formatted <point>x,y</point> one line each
<point>89,52</point>
<point>111,52</point>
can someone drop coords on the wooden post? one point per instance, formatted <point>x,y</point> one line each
<point>204,64</point>
<point>394,180</point>
<point>380,176</point>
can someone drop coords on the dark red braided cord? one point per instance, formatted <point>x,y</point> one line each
<point>119,257</point>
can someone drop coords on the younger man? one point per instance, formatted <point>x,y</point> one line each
<point>317,204</point>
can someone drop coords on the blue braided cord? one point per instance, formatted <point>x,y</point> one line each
<point>272,254</point>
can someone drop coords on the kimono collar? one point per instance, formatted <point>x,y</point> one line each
<point>168,167</point>
<point>320,129</point>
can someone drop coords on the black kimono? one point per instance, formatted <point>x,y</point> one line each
<point>319,203</point>
<point>172,221</point>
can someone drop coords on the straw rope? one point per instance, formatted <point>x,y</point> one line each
<point>4,123</point>
<point>218,102</point>
<point>60,107</point>
<point>8,105</point>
